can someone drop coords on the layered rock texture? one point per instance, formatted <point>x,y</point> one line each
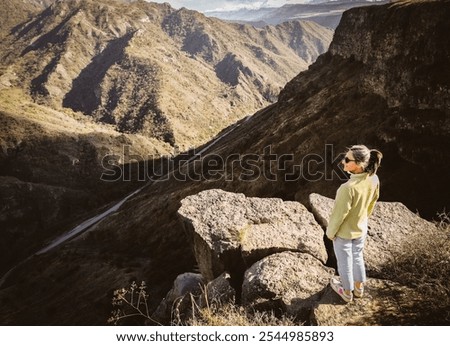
<point>15,12</point>
<point>347,96</point>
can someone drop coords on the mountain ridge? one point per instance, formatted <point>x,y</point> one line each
<point>325,13</point>
<point>76,54</point>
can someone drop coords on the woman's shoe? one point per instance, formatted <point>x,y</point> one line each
<point>337,287</point>
<point>358,292</point>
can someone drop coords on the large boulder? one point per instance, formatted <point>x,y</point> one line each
<point>384,303</point>
<point>289,282</point>
<point>230,231</point>
<point>390,226</point>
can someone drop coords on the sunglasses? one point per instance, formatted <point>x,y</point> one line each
<point>347,160</point>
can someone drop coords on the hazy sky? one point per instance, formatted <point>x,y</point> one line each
<point>208,5</point>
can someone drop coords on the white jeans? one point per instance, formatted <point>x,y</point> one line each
<point>350,260</point>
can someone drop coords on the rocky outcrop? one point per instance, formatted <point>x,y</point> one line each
<point>230,231</point>
<point>289,282</point>
<point>226,238</point>
<point>16,12</point>
<point>390,227</point>
<point>384,303</point>
<point>387,80</point>
<point>230,68</point>
<point>384,51</point>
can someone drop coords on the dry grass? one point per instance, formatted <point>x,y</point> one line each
<point>425,267</point>
<point>131,307</point>
<point>233,315</point>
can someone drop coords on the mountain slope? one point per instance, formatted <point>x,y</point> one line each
<point>384,83</point>
<point>83,79</point>
<point>174,75</point>
<point>51,164</point>
<point>15,12</point>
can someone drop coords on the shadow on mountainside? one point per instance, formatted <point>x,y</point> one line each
<point>83,97</point>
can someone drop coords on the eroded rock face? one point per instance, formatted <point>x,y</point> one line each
<point>390,226</point>
<point>230,231</point>
<point>384,303</point>
<point>292,282</point>
<point>393,73</point>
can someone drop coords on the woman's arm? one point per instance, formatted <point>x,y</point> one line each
<point>375,197</point>
<point>342,205</point>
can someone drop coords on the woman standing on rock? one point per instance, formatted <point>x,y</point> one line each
<point>347,227</point>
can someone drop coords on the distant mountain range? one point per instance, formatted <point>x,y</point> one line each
<point>326,13</point>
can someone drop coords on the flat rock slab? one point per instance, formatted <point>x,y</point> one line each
<point>230,231</point>
<point>390,227</point>
<point>384,303</point>
<point>289,281</point>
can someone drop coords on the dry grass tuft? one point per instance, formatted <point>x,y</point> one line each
<point>425,267</point>
<point>233,315</point>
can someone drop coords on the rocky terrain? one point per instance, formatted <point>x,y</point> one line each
<point>82,82</point>
<point>384,82</point>
<point>268,254</point>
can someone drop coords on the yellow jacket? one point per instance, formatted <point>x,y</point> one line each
<point>353,205</point>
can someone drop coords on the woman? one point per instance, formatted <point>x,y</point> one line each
<point>347,227</point>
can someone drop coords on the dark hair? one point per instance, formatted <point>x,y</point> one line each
<point>369,160</point>
<point>374,161</point>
